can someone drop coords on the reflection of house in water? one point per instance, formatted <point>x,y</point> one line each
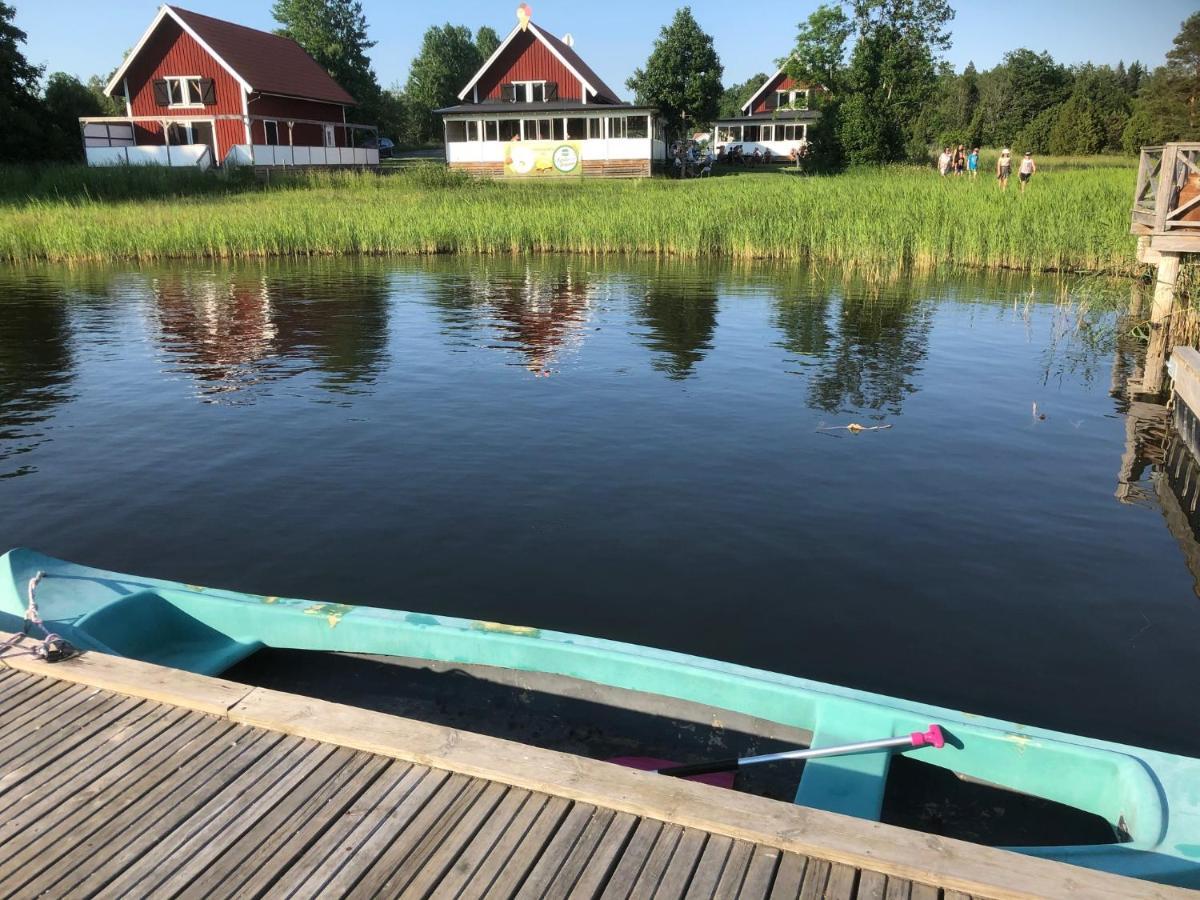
<point>680,312</point>
<point>864,349</point>
<point>539,313</point>
<point>36,369</point>
<point>233,331</point>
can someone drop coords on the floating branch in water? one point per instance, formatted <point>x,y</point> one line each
<point>854,428</point>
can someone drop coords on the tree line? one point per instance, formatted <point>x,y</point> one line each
<point>891,96</point>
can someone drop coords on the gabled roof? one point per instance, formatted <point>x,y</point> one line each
<point>749,104</point>
<point>592,83</point>
<point>259,61</point>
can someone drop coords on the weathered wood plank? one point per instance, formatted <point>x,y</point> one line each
<point>735,870</point>
<point>524,854</point>
<point>45,741</point>
<point>897,888</point>
<point>760,874</point>
<point>290,829</point>
<point>178,808</point>
<point>923,892</point>
<point>789,877</point>
<point>320,860</point>
<point>419,838</point>
<point>816,878</point>
<point>426,875</point>
<point>604,858</point>
<point>651,875</point>
<point>871,885</point>
<point>683,863</point>
<point>632,860</point>
<point>712,864</point>
<point>546,869</point>
<point>842,881</point>
<point>467,869</point>
<point>566,879</point>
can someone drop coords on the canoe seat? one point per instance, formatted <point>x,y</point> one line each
<point>147,627</point>
<point>850,785</point>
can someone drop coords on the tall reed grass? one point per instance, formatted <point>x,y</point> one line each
<point>1070,219</point>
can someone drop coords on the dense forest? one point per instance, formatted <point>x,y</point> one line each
<point>892,95</point>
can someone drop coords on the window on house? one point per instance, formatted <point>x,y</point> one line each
<point>768,132</point>
<point>750,133</point>
<point>616,127</point>
<point>510,129</point>
<point>271,133</point>
<point>541,129</point>
<point>178,134</point>
<point>491,130</point>
<point>595,130</point>
<point>456,132</point>
<point>184,91</point>
<point>559,129</point>
<point>637,127</point>
<point>577,129</point>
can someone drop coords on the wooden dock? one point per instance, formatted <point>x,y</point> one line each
<point>121,779</point>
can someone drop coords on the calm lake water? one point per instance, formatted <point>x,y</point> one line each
<point>631,450</point>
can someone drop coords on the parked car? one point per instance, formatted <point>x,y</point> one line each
<point>385,146</point>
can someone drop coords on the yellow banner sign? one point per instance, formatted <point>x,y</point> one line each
<point>543,159</point>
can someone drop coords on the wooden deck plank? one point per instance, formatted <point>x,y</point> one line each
<point>291,829</point>
<point>568,852</point>
<point>625,876</point>
<point>25,696</point>
<point>657,862</point>
<point>64,700</point>
<point>898,888</point>
<point>760,874</point>
<point>320,859</point>
<point>712,864</point>
<point>678,876</point>
<point>924,892</point>
<point>358,850</point>
<point>604,857</point>
<point>423,876</point>
<point>488,856</point>
<point>527,849</point>
<point>735,869</point>
<point>419,829</point>
<point>816,877</point>
<point>842,881</point>
<point>871,885</point>
<point>483,842</point>
<point>226,827</point>
<point>790,877</point>
<point>49,738</point>
<point>163,802</point>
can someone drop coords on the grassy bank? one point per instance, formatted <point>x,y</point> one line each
<point>1074,218</point>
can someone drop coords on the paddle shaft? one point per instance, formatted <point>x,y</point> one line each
<point>728,765</point>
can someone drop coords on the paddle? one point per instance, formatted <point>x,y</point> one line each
<point>931,738</point>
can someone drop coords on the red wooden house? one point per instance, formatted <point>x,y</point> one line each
<point>775,120</point>
<point>536,108</point>
<point>202,91</point>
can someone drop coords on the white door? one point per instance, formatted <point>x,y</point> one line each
<point>330,137</point>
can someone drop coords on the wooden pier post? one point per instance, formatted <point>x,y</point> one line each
<point>1160,322</point>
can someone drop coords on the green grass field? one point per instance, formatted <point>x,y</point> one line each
<point>1075,217</point>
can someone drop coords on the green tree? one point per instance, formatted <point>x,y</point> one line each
<point>20,139</point>
<point>334,32</point>
<point>109,106</point>
<point>892,75</point>
<point>820,52</point>
<point>682,77</point>
<point>448,58</point>
<point>486,42</point>
<point>67,100</point>
<point>1166,105</point>
<point>1078,128</point>
<point>736,96</point>
<point>1017,91</point>
<point>1183,61</point>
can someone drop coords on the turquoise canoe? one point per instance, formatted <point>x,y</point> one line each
<point>1151,800</point>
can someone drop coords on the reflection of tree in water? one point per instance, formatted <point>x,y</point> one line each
<point>36,367</point>
<point>681,312</point>
<point>539,312</point>
<point>865,347</point>
<point>235,330</point>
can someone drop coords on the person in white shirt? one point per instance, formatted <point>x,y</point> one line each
<point>1026,170</point>
<point>944,162</point>
<point>1004,168</point>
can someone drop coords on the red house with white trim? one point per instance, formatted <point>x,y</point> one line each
<point>775,119</point>
<point>202,91</point>
<point>535,108</point>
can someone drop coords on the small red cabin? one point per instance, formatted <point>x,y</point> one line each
<point>536,109</point>
<point>774,121</point>
<point>202,91</point>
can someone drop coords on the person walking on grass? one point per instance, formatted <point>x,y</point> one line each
<point>944,162</point>
<point>973,163</point>
<point>1004,168</point>
<point>1026,170</point>
<point>960,160</point>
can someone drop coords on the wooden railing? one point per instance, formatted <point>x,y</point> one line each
<point>1167,197</point>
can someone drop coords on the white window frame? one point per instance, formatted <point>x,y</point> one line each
<point>278,133</point>
<point>527,91</point>
<point>188,126</point>
<point>183,83</point>
<point>791,96</point>
<point>330,137</point>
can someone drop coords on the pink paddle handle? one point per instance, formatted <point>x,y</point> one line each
<point>931,738</point>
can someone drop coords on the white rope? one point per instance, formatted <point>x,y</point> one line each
<point>52,644</point>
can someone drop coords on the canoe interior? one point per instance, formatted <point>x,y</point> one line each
<point>600,722</point>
